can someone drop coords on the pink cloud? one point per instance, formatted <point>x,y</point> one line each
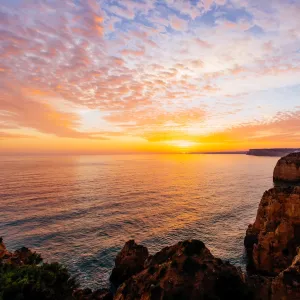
<point>130,52</point>
<point>178,23</point>
<point>203,44</point>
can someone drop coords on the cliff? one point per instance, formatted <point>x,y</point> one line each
<point>288,168</point>
<point>186,270</point>
<point>272,240</point>
<point>287,284</point>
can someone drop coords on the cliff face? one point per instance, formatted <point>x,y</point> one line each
<point>273,238</point>
<point>288,168</point>
<point>287,284</point>
<point>128,262</point>
<point>188,271</point>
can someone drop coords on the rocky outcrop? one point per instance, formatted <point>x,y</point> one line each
<point>287,284</point>
<point>20,257</point>
<point>272,240</point>
<point>186,270</point>
<point>128,262</point>
<point>288,168</point>
<point>4,253</point>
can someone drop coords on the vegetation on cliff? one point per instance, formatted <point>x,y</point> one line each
<point>23,275</point>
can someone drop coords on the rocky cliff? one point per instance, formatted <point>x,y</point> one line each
<point>288,168</point>
<point>286,286</point>
<point>272,240</point>
<point>186,270</point>
<point>128,262</point>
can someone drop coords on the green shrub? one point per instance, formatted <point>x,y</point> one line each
<point>45,281</point>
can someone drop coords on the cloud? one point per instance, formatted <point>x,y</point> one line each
<point>283,127</point>
<point>21,111</point>
<point>131,52</point>
<point>122,12</point>
<point>178,23</point>
<point>147,67</point>
<point>7,135</point>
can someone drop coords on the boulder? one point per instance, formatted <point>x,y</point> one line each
<point>272,240</point>
<point>288,168</point>
<point>128,262</point>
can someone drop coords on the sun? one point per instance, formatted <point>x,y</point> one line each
<point>182,144</point>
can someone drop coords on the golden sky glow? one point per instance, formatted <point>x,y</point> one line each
<point>148,76</point>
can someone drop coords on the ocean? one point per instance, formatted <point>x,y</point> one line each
<point>80,210</point>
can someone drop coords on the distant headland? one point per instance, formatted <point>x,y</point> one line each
<point>276,152</point>
<point>272,151</point>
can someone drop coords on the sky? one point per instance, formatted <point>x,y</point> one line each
<point>109,76</point>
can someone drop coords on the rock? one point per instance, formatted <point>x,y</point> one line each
<point>288,168</point>
<point>88,294</point>
<point>22,256</point>
<point>4,253</point>
<point>272,240</point>
<point>287,284</point>
<point>128,262</point>
<point>260,286</point>
<point>186,270</point>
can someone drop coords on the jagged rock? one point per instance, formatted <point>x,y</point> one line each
<point>128,262</point>
<point>4,253</point>
<point>272,240</point>
<point>288,168</point>
<point>287,284</point>
<point>186,270</point>
<point>22,256</point>
<point>88,294</point>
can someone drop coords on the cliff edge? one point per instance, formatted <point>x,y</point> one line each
<point>288,168</point>
<point>272,240</point>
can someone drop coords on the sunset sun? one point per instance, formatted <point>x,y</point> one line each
<point>182,144</point>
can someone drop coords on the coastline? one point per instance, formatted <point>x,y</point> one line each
<point>186,261</point>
